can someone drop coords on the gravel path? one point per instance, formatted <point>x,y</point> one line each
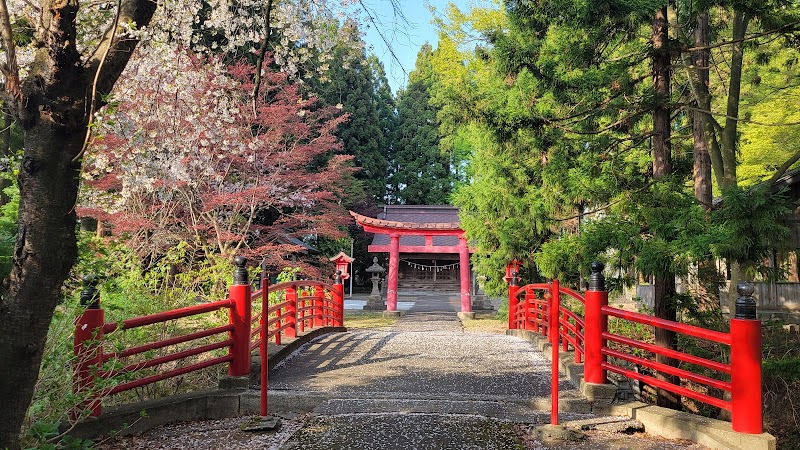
<point>423,385</point>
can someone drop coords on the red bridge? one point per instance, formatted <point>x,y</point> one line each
<point>574,324</point>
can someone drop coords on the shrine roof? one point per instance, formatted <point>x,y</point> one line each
<point>413,218</point>
<point>413,223</point>
<point>420,214</point>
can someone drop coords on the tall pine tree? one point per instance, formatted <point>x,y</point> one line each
<point>420,173</point>
<point>359,85</point>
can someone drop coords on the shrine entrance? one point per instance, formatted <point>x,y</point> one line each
<point>429,272</point>
<point>427,250</point>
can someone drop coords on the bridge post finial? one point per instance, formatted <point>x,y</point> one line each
<point>90,296</point>
<point>745,303</point>
<point>240,275</point>
<point>597,282</point>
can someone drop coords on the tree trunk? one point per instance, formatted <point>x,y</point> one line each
<point>702,158</point>
<point>729,134</point>
<point>662,154</point>
<point>664,297</point>
<point>44,254</point>
<point>52,109</point>
<point>664,308</point>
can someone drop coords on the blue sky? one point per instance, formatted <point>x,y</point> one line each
<point>405,38</point>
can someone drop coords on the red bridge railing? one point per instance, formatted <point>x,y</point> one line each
<point>536,306</point>
<point>302,305</point>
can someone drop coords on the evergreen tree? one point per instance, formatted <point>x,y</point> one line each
<point>387,118</point>
<point>420,173</point>
<point>359,86</point>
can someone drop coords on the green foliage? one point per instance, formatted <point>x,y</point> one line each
<point>786,368</point>
<point>752,225</point>
<point>770,98</point>
<point>46,436</point>
<point>288,274</point>
<point>358,85</point>
<point>560,97</point>
<point>176,279</point>
<point>420,173</point>
<point>8,223</point>
<point>22,32</point>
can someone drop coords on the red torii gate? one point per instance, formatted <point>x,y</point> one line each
<point>397,229</point>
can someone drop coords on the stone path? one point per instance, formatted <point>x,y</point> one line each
<point>426,355</point>
<point>423,385</point>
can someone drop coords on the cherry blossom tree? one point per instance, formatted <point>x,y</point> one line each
<point>188,161</point>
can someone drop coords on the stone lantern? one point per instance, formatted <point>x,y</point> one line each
<point>375,301</point>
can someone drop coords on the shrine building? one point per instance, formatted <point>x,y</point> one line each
<point>427,250</point>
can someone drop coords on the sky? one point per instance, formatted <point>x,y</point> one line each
<point>405,37</point>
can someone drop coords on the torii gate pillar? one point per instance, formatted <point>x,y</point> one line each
<point>466,301</point>
<point>394,267</point>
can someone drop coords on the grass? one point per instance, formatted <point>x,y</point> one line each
<point>367,319</point>
<point>486,323</point>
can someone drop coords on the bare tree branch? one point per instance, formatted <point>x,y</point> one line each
<point>138,12</point>
<point>92,102</point>
<point>783,168</point>
<point>262,53</point>
<point>791,26</point>
<point>10,68</point>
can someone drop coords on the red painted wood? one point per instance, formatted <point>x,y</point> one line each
<point>572,294</point>
<point>88,350</point>
<point>240,318</point>
<point>263,349</point>
<point>685,374</point>
<point>394,267</point>
<point>291,311</point>
<point>689,330</point>
<point>167,315</point>
<point>169,358</point>
<point>463,254</point>
<point>513,306</point>
<point>413,232</point>
<point>319,299</point>
<point>167,342</point>
<point>713,401</point>
<point>527,306</point>
<point>554,307</point>
<point>746,394</point>
<point>596,324</point>
<point>338,305</point>
<point>299,284</point>
<point>172,373</point>
<point>414,249</point>
<point>713,365</point>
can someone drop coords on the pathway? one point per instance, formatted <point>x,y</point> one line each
<point>423,385</point>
